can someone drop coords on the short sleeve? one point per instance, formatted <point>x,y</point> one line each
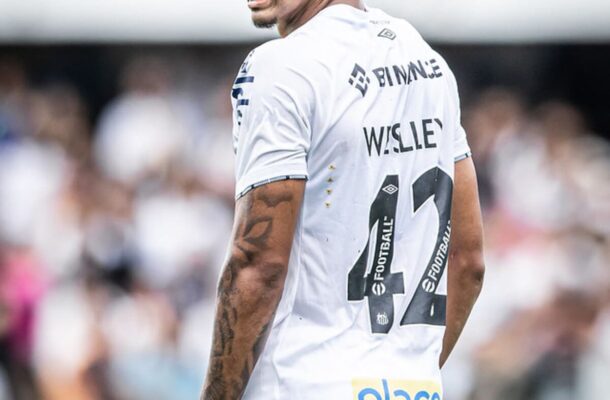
<point>461,149</point>
<point>273,104</point>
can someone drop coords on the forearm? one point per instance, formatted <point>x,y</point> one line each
<point>244,315</point>
<point>464,283</point>
<point>251,285</point>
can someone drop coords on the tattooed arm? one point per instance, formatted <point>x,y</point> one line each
<point>251,285</point>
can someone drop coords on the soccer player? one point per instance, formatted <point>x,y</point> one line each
<point>352,172</point>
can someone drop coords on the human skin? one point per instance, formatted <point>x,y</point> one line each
<point>251,285</point>
<point>253,277</point>
<point>466,267</point>
<point>289,15</point>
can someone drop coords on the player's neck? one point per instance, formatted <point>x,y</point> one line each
<point>289,25</point>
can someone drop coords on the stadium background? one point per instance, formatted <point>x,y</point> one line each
<point>116,192</point>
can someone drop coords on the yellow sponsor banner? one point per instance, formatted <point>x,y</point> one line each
<point>396,389</point>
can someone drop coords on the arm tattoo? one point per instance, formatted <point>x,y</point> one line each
<point>244,318</point>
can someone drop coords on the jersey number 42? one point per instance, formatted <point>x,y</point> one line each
<point>379,284</point>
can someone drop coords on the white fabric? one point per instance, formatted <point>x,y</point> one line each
<point>298,112</point>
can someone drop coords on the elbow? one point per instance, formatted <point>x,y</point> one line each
<point>259,278</point>
<point>469,266</point>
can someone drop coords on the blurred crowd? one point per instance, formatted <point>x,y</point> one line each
<point>111,235</point>
<point>541,328</point>
<point>113,230</point>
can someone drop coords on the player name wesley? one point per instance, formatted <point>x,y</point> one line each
<point>392,139</point>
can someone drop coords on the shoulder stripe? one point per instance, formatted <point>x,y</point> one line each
<point>267,181</point>
<point>463,156</point>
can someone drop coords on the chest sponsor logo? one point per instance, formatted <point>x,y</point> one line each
<point>388,389</point>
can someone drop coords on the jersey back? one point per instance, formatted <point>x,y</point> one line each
<point>358,104</point>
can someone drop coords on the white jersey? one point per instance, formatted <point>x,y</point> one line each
<point>358,104</point>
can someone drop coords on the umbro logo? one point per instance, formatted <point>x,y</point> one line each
<point>359,80</point>
<point>390,189</point>
<point>387,33</point>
